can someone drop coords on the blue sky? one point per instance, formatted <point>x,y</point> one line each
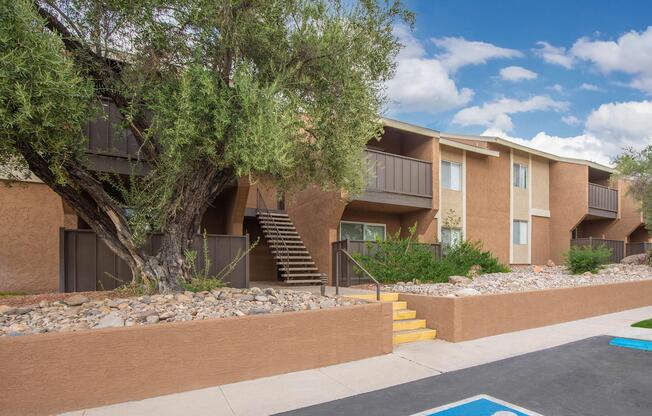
<point>572,77</point>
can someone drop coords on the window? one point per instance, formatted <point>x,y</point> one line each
<point>520,175</point>
<point>451,237</point>
<point>361,231</point>
<point>451,175</point>
<point>520,232</point>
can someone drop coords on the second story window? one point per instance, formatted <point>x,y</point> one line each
<point>520,176</point>
<point>451,175</point>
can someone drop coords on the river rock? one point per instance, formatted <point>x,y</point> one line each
<point>459,280</point>
<point>110,321</point>
<point>75,300</point>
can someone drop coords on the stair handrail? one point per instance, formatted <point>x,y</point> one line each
<point>261,206</point>
<point>350,257</point>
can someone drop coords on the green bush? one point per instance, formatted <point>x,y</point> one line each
<point>402,259</point>
<point>461,257</point>
<point>586,259</point>
<point>202,284</point>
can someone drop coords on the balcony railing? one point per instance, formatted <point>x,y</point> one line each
<point>399,180</point>
<point>603,201</point>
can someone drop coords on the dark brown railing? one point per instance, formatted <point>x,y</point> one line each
<point>347,259</point>
<point>603,200</point>
<point>617,246</point>
<point>638,248</point>
<point>87,263</point>
<point>348,274</point>
<point>107,138</point>
<point>399,174</point>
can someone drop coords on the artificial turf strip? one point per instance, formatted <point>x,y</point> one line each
<point>647,323</point>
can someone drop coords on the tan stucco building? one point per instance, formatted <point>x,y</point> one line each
<point>524,205</point>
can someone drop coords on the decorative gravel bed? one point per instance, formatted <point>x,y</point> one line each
<point>78,312</point>
<point>524,279</point>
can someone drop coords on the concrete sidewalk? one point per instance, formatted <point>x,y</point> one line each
<point>407,363</point>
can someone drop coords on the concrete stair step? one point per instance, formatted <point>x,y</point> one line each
<point>408,324</point>
<point>411,335</point>
<point>402,314</point>
<point>273,214</point>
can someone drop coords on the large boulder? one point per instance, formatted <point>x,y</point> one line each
<point>635,259</point>
<point>459,280</point>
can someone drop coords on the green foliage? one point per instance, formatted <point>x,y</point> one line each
<point>201,284</point>
<point>136,288</point>
<point>636,168</point>
<point>586,259</point>
<point>402,259</point>
<point>460,258</point>
<point>44,99</point>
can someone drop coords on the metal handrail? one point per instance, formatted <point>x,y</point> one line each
<point>261,206</point>
<point>337,273</point>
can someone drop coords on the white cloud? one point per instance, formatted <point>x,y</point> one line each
<point>460,52</point>
<point>607,131</point>
<point>517,74</point>
<point>571,120</point>
<point>421,83</point>
<point>590,87</point>
<point>555,55</point>
<point>631,53</point>
<point>557,88</point>
<point>496,113</point>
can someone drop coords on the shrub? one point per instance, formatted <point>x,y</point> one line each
<point>202,284</point>
<point>401,259</point>
<point>586,259</point>
<point>461,257</point>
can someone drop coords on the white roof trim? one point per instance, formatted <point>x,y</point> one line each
<point>530,150</point>
<point>399,125</point>
<point>468,147</point>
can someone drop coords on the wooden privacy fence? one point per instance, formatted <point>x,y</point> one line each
<point>617,246</point>
<point>348,275</point>
<point>638,248</point>
<point>86,263</point>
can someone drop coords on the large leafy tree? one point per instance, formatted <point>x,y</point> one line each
<point>212,90</point>
<point>636,167</point>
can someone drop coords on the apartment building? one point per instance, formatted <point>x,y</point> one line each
<point>524,205</point>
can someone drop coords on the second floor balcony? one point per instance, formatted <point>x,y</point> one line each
<point>603,201</point>
<point>398,180</point>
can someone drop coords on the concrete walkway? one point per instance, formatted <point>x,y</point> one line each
<point>407,363</point>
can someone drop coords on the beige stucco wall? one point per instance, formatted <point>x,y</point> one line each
<point>540,183</point>
<point>57,372</point>
<point>569,203</point>
<point>540,240</point>
<point>630,217</point>
<point>487,201</point>
<point>30,217</point>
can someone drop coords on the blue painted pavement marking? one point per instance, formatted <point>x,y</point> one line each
<point>637,344</point>
<point>481,405</point>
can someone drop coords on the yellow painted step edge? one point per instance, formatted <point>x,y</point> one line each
<point>399,305</point>
<point>417,335</point>
<point>408,324</point>
<point>404,314</point>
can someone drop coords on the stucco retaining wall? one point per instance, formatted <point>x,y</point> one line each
<point>50,373</point>
<point>461,319</point>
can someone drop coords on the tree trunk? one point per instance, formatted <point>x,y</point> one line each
<point>169,267</point>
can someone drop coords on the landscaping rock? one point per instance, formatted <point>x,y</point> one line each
<point>7,310</point>
<point>459,280</point>
<point>75,300</point>
<point>635,259</point>
<point>110,321</point>
<point>467,291</point>
<point>550,263</point>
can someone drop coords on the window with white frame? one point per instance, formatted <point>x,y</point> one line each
<point>451,175</point>
<point>361,231</point>
<point>450,236</point>
<point>520,175</point>
<point>520,232</point>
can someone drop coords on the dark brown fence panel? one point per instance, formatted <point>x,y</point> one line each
<point>603,198</point>
<point>617,246</point>
<point>106,137</point>
<point>88,264</point>
<point>348,275</point>
<point>638,248</point>
<point>399,174</point>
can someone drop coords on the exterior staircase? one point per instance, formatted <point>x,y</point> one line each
<point>291,255</point>
<point>406,327</point>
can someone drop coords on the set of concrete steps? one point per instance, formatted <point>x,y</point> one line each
<point>407,327</point>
